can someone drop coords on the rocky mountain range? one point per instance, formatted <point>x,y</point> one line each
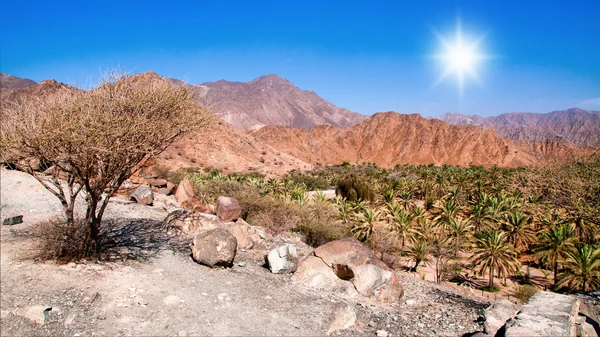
<point>271,100</point>
<point>285,140</point>
<point>9,82</point>
<point>391,138</point>
<point>580,127</point>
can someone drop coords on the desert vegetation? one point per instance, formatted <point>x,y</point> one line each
<point>461,220</point>
<point>92,141</point>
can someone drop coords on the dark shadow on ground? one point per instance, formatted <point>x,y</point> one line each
<point>137,239</point>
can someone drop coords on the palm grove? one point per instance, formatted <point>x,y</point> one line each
<point>487,221</point>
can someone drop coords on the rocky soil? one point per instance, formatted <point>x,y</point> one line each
<point>151,286</point>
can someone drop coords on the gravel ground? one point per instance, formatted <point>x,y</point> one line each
<point>152,287</point>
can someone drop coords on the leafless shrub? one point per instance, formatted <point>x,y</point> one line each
<point>97,138</point>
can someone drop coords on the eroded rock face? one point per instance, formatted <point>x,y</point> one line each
<point>497,314</point>
<point>214,248</point>
<point>228,209</point>
<point>350,267</point>
<point>283,260</point>
<point>143,195</point>
<point>185,190</point>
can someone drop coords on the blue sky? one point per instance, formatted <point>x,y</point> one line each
<point>365,56</point>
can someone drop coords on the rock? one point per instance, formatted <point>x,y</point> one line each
<point>241,264</point>
<point>172,300</point>
<point>313,272</point>
<point>143,195</point>
<point>185,190</point>
<point>382,333</point>
<point>186,222</point>
<point>283,260</point>
<point>343,318</point>
<point>167,189</point>
<point>352,264</point>
<point>157,182</point>
<point>410,302</point>
<point>215,247</point>
<point>15,220</point>
<point>241,233</point>
<point>497,314</point>
<point>228,209</point>
<point>35,313</point>
<point>198,206</point>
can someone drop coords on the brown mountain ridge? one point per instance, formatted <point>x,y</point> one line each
<point>271,100</point>
<point>391,138</point>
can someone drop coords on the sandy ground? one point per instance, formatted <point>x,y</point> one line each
<point>151,286</point>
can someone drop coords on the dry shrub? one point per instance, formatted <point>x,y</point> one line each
<point>319,224</point>
<point>63,242</point>
<point>96,138</point>
<point>524,292</point>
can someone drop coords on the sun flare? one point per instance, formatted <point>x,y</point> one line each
<point>460,57</point>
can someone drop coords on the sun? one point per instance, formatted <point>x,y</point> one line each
<point>460,57</point>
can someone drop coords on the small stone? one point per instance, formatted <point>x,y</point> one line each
<point>410,302</point>
<point>382,333</point>
<point>36,313</point>
<point>343,318</point>
<point>242,264</point>
<point>171,300</point>
<point>143,195</point>
<point>15,220</point>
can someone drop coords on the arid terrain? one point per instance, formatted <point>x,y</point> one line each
<point>152,287</point>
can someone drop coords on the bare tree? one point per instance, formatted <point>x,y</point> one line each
<point>96,139</point>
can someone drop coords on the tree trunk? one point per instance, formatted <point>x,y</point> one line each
<point>491,284</point>
<point>414,269</point>
<point>555,271</point>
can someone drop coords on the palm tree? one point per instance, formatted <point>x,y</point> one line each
<point>459,232</point>
<point>418,252</point>
<point>345,210</point>
<point>554,245</point>
<point>582,268</point>
<point>494,254</point>
<point>518,227</point>
<point>400,220</point>
<point>363,229</point>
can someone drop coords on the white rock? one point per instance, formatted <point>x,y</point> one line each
<point>36,313</point>
<point>283,260</point>
<point>171,300</point>
<point>410,302</point>
<point>382,333</point>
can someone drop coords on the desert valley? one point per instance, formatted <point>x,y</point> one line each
<point>283,214</point>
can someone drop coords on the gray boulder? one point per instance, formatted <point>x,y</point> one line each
<point>143,195</point>
<point>214,248</point>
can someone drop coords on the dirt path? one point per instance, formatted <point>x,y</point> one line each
<point>153,288</point>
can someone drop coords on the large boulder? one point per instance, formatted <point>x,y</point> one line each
<point>353,265</point>
<point>228,209</point>
<point>143,195</point>
<point>283,260</point>
<point>185,190</point>
<point>241,230</point>
<point>186,222</point>
<point>214,248</point>
<point>497,314</point>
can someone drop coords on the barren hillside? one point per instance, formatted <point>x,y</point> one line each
<point>391,138</point>
<point>271,100</point>
<point>580,127</point>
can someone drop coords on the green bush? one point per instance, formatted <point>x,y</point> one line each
<point>353,188</point>
<point>312,183</point>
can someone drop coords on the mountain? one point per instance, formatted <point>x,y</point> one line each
<point>391,138</point>
<point>575,125</point>
<point>271,100</point>
<point>9,82</point>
